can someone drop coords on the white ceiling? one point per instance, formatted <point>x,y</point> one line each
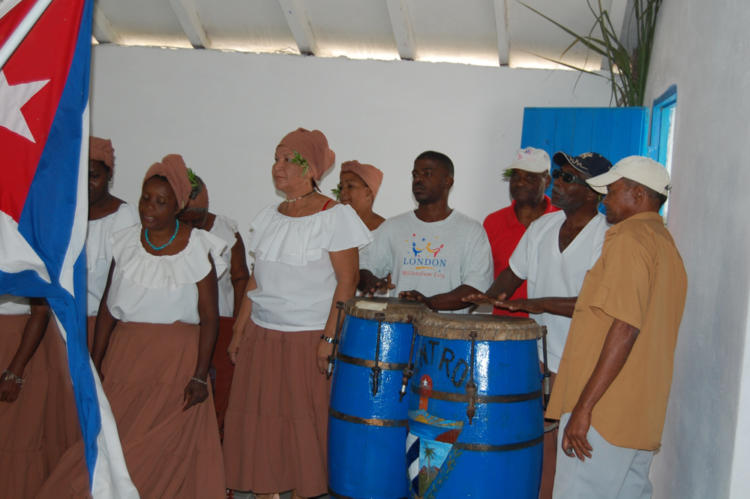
<point>483,32</point>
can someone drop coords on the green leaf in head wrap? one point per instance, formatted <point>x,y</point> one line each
<point>507,173</point>
<point>195,183</point>
<point>336,191</point>
<point>298,159</point>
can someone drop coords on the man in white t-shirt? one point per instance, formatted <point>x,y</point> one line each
<point>553,257</point>
<point>434,254</point>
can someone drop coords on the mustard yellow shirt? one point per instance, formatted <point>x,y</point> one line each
<point>639,279</point>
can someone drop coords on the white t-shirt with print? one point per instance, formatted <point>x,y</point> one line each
<point>430,257</point>
<point>550,273</point>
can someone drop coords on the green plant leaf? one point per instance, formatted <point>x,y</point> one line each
<point>628,70</point>
<point>299,160</point>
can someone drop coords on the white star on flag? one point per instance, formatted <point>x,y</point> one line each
<point>12,99</point>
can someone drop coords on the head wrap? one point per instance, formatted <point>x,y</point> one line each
<point>313,147</point>
<point>370,175</point>
<point>102,150</point>
<point>172,166</point>
<point>200,201</point>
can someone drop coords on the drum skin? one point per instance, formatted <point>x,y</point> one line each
<point>366,431</point>
<point>499,452</point>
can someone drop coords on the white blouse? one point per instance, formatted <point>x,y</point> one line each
<point>14,305</point>
<point>226,229</point>
<point>160,289</point>
<point>99,251</point>
<point>293,270</point>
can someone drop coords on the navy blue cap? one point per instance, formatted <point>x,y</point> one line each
<point>590,164</point>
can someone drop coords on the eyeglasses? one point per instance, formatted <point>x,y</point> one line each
<point>568,177</point>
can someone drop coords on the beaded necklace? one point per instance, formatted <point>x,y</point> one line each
<point>159,248</point>
<point>297,199</point>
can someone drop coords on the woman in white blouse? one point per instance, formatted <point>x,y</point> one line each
<point>107,215</point>
<point>232,286</point>
<point>154,336</point>
<point>358,185</point>
<point>306,260</point>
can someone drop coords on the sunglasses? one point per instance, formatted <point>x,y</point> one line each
<point>567,177</point>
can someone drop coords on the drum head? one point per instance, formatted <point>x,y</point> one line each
<point>487,327</point>
<point>385,309</point>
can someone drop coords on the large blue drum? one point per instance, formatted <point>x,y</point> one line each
<point>368,412</point>
<point>475,415</point>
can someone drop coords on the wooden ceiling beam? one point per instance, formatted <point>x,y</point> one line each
<point>503,36</point>
<point>299,24</point>
<point>103,30</point>
<point>187,15</point>
<point>403,32</point>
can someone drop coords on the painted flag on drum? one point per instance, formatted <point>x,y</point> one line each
<point>412,462</point>
<point>45,54</point>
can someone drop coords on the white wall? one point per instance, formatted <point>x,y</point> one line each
<point>703,48</point>
<point>226,112</point>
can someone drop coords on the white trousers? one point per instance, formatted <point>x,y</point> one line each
<point>611,472</point>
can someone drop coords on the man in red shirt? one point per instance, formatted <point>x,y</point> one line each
<point>529,177</point>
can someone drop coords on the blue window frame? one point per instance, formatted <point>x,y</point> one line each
<point>661,137</point>
<point>662,127</point>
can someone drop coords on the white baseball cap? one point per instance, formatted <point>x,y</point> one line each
<point>639,169</point>
<point>532,160</point>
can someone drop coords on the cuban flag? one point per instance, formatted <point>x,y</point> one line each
<point>45,54</point>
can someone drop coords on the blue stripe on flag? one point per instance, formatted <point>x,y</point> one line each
<point>59,167</point>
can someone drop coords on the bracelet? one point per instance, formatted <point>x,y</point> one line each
<point>9,376</point>
<point>327,339</point>
<point>201,381</point>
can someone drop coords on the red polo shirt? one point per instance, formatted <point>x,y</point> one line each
<point>504,231</point>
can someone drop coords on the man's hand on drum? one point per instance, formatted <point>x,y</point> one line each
<point>378,286</point>
<point>480,298</point>
<point>574,441</point>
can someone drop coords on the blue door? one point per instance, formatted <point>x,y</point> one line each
<point>614,132</point>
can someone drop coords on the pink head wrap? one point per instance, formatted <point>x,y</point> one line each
<point>370,175</point>
<point>312,146</point>
<point>102,150</point>
<point>173,167</point>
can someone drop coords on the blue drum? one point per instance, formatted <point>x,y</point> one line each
<point>475,415</point>
<point>368,412</point>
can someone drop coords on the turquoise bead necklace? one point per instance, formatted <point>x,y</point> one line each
<point>159,248</point>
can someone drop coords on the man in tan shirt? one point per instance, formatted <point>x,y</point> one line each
<point>616,370</point>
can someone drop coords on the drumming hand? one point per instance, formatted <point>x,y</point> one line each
<point>379,286</point>
<point>412,295</point>
<point>531,306</point>
<point>195,393</point>
<point>574,442</point>
<point>325,350</point>
<point>477,298</point>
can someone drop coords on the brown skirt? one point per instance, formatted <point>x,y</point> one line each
<point>169,452</point>
<point>224,369</point>
<point>275,430</point>
<point>61,426</point>
<point>23,462</point>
